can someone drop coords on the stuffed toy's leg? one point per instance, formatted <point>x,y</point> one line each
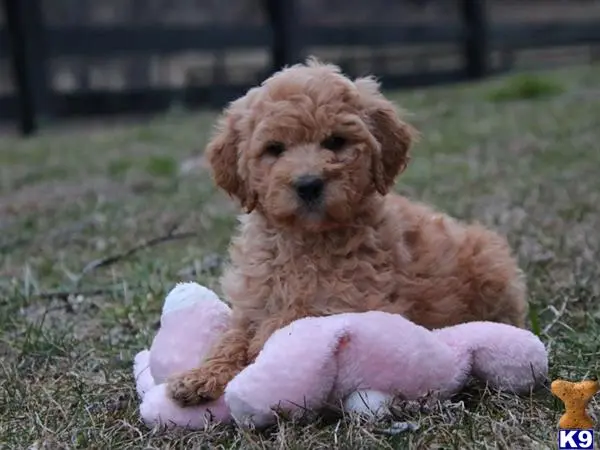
<point>506,357</point>
<point>193,318</point>
<point>368,403</point>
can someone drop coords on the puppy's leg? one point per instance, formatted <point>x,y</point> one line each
<point>206,383</point>
<point>495,276</point>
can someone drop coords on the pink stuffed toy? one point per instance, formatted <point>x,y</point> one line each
<point>361,360</point>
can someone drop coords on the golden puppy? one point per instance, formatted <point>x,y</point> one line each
<point>312,156</point>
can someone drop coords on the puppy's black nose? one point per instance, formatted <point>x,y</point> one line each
<point>309,187</point>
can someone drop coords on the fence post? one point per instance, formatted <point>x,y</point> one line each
<point>477,36</point>
<point>24,24</point>
<point>283,18</point>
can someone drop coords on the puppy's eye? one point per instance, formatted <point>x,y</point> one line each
<point>333,143</point>
<point>274,148</point>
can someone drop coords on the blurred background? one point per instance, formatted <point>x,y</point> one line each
<point>62,59</point>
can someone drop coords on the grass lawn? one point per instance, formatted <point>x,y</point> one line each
<point>80,294</point>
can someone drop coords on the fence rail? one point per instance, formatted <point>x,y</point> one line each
<point>31,44</point>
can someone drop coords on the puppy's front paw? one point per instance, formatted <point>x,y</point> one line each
<point>194,388</point>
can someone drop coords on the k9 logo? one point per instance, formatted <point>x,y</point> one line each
<point>575,439</point>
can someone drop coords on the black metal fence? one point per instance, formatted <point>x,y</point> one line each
<point>65,58</point>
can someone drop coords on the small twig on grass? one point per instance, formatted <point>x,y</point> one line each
<point>13,244</point>
<point>557,316</point>
<point>111,259</point>
<point>65,295</point>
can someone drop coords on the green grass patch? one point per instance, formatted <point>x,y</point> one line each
<point>526,87</point>
<point>161,166</point>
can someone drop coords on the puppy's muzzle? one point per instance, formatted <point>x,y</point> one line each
<point>309,188</point>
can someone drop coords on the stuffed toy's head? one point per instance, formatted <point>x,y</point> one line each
<point>192,319</point>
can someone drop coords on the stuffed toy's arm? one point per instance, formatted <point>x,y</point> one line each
<point>294,373</point>
<point>506,357</point>
<point>262,335</point>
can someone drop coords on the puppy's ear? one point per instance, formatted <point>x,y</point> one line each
<point>395,137</point>
<point>222,153</point>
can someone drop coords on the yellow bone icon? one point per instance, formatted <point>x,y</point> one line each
<point>575,396</point>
